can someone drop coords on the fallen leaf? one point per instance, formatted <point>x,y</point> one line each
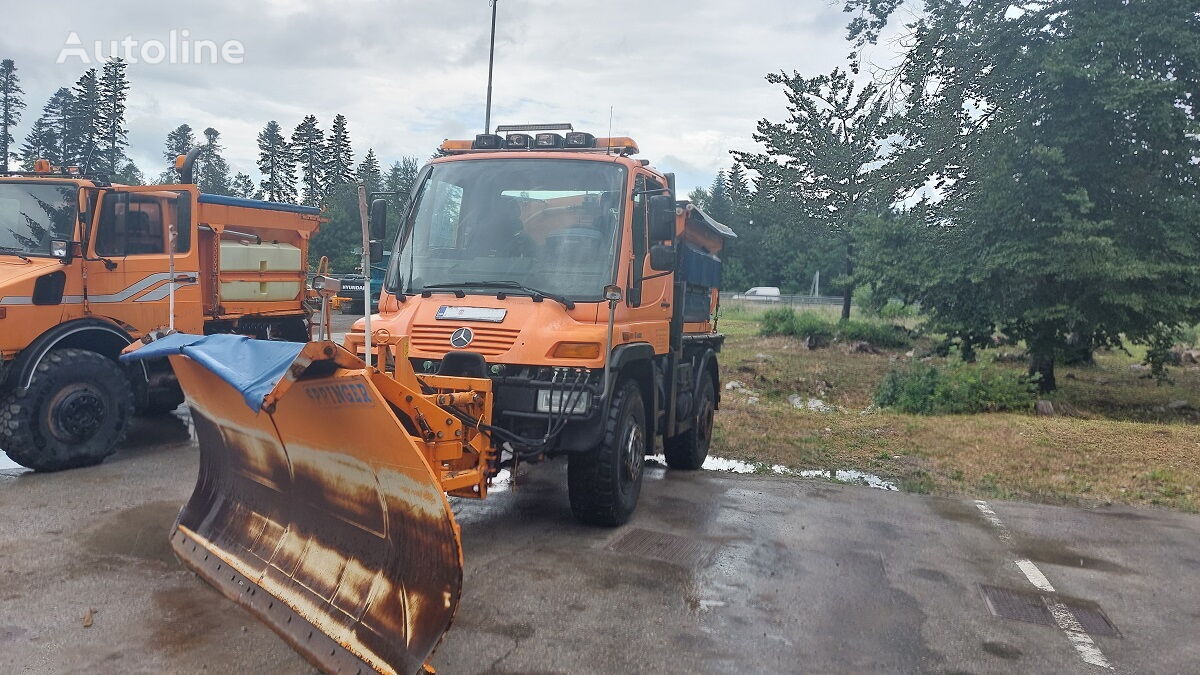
<point>87,617</point>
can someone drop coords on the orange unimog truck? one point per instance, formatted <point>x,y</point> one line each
<point>565,271</point>
<point>86,268</point>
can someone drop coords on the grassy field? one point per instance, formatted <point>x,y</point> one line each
<point>1115,438</point>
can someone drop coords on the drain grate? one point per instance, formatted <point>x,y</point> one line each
<point>672,548</point>
<point>1017,605</point>
<point>1035,608</point>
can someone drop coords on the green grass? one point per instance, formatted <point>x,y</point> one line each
<point>1114,438</point>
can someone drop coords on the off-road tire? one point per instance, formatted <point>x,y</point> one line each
<point>602,486</point>
<point>35,428</point>
<point>688,450</point>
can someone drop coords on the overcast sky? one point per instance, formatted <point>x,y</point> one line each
<point>684,78</point>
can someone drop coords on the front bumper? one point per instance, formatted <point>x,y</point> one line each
<point>515,402</point>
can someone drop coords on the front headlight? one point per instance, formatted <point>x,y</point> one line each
<point>555,401</point>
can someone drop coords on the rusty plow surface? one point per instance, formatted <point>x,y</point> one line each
<point>321,516</point>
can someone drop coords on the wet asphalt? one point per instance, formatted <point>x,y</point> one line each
<point>716,573</point>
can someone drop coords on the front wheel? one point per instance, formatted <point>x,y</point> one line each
<point>689,449</point>
<point>74,412</point>
<point>604,484</point>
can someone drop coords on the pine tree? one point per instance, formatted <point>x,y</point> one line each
<point>114,91</point>
<point>86,128</point>
<point>129,174</point>
<point>737,185</point>
<point>55,124</point>
<point>242,186</point>
<point>369,172</point>
<point>277,164</point>
<point>179,142</point>
<point>40,143</point>
<point>308,147</point>
<point>400,178</point>
<point>718,205</point>
<point>11,105</point>
<point>212,171</point>
<point>339,160</point>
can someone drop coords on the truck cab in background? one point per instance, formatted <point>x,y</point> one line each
<point>88,267</point>
<point>566,271</point>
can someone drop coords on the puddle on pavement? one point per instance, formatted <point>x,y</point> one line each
<point>850,476</point>
<point>1054,554</point>
<point>141,532</point>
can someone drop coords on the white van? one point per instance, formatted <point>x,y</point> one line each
<point>759,294</point>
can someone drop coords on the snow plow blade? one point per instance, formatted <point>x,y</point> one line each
<point>323,511</point>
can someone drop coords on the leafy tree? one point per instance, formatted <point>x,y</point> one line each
<point>308,144</point>
<point>369,172</point>
<point>339,157</point>
<point>212,171</point>
<point>341,237</point>
<point>114,91</point>
<point>180,141</point>
<point>822,160</point>
<point>277,164</point>
<point>242,186</point>
<point>85,122</point>
<point>11,105</point>
<point>1062,137</point>
<point>399,180</point>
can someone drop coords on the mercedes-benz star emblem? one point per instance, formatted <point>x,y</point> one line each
<point>462,337</point>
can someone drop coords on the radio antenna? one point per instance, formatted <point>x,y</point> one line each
<point>608,150</point>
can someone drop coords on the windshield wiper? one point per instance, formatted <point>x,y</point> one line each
<point>537,294</point>
<point>15,251</point>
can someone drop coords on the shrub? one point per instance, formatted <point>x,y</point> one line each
<point>785,321</point>
<point>777,321</point>
<point>878,334</point>
<point>924,389</point>
<point>895,309</point>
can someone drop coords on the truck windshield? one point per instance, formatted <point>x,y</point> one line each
<point>546,224</point>
<point>31,214</point>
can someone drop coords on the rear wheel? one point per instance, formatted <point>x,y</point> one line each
<point>689,449</point>
<point>74,412</point>
<point>604,483</point>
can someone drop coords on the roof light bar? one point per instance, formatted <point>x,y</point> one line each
<point>508,128</point>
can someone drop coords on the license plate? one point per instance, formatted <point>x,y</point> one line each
<point>489,314</point>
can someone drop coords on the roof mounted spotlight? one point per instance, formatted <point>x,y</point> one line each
<point>518,141</point>
<point>548,140</point>
<point>487,142</point>
<point>579,139</point>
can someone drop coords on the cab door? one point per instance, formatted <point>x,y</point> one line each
<point>128,275</point>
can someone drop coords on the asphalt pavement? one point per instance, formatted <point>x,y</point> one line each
<point>716,573</point>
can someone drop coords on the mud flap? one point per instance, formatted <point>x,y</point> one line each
<point>321,516</point>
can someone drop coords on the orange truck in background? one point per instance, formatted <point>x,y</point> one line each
<point>567,272</point>
<point>86,268</point>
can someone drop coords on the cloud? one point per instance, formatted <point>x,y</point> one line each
<point>684,78</point>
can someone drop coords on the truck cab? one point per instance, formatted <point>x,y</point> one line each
<point>565,270</point>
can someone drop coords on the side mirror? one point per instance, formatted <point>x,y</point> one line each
<point>376,251</point>
<point>378,221</point>
<point>662,218</point>
<point>662,258</point>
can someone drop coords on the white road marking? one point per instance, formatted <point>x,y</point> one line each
<point>1034,575</point>
<point>1067,623</point>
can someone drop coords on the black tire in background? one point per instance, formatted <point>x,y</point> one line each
<point>162,401</point>
<point>689,450</point>
<point>74,413</point>
<point>604,484</point>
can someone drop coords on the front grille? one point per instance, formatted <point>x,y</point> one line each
<point>489,340</point>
